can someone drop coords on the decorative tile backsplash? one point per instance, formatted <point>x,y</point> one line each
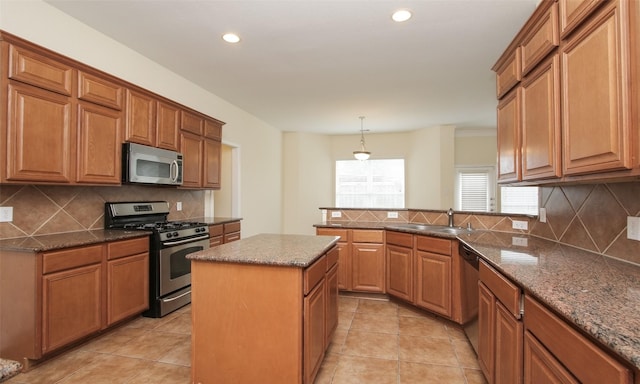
<point>42,210</point>
<point>592,217</point>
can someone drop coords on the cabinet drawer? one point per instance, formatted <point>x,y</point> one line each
<point>367,236</point>
<point>229,237</point>
<point>332,257</point>
<point>232,227</point>
<point>541,40</point>
<point>400,239</point>
<point>216,230</point>
<point>504,290</point>
<point>587,362</point>
<point>124,248</point>
<point>100,91</point>
<point>314,273</point>
<point>508,74</point>
<point>343,233</point>
<point>215,241</point>
<point>434,244</point>
<point>71,258</point>
<point>41,71</point>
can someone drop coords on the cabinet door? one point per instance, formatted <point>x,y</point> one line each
<point>508,347</point>
<point>596,94</point>
<point>344,266</point>
<point>71,306</point>
<point>99,144</point>
<point>314,331</point>
<point>127,287</point>
<point>100,91</point>
<point>368,267</point>
<point>486,331</point>
<point>331,283</point>
<point>39,122</point>
<point>212,153</point>
<point>167,126</point>
<point>433,282</point>
<point>509,137</point>
<point>140,116</point>
<point>541,148</point>
<point>191,148</point>
<point>540,367</point>
<point>399,272</point>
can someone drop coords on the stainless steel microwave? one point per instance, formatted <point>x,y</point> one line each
<point>149,165</point>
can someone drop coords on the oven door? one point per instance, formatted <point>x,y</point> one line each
<point>175,268</point>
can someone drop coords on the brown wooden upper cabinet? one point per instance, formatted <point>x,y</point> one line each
<point>201,146</point>
<point>151,121</point>
<point>79,117</point>
<point>573,115</point>
<point>80,129</point>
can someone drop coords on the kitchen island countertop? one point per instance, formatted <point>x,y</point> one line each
<point>270,249</point>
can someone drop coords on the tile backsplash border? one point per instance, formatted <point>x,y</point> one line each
<point>45,209</point>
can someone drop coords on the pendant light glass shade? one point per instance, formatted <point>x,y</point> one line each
<point>362,154</point>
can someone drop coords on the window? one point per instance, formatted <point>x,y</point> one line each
<point>519,200</point>
<point>474,189</point>
<point>370,183</point>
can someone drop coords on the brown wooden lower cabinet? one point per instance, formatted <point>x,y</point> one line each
<point>224,233</point>
<point>361,259</point>
<point>53,299</point>
<point>500,328</point>
<point>276,323</point>
<point>553,343</point>
<point>433,282</point>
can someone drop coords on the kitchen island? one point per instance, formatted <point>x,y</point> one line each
<point>263,309</point>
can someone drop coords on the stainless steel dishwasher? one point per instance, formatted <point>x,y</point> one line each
<point>469,285</point>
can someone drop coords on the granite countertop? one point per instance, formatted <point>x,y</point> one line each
<point>270,249</point>
<point>390,225</point>
<point>66,240</point>
<point>216,220</point>
<point>600,295</point>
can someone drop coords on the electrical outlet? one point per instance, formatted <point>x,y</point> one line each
<point>392,215</point>
<point>336,214</point>
<point>6,214</point>
<point>542,215</point>
<point>520,241</point>
<point>179,206</point>
<point>517,224</point>
<point>633,228</point>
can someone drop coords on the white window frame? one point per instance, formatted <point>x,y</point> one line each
<point>491,187</point>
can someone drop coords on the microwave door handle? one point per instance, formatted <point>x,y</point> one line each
<point>174,171</point>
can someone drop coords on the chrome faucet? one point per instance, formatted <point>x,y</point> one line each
<point>450,214</point>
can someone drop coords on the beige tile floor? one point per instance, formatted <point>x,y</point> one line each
<point>377,341</point>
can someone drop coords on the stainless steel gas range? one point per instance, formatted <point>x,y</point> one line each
<point>170,242</point>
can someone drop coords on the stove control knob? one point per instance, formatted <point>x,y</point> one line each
<point>199,229</point>
<point>169,235</point>
<point>175,234</point>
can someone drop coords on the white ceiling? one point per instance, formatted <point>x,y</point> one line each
<point>316,65</point>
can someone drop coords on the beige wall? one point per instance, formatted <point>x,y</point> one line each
<point>261,144</point>
<point>475,150</point>
<point>308,181</point>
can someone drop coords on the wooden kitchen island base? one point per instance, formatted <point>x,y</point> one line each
<point>259,318</point>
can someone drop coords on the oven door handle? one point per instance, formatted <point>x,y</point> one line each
<point>186,240</point>
<point>177,297</point>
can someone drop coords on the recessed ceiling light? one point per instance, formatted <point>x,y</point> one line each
<point>231,38</point>
<point>401,15</point>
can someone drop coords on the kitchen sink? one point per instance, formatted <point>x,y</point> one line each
<point>433,228</point>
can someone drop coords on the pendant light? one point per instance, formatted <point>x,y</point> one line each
<point>362,154</point>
